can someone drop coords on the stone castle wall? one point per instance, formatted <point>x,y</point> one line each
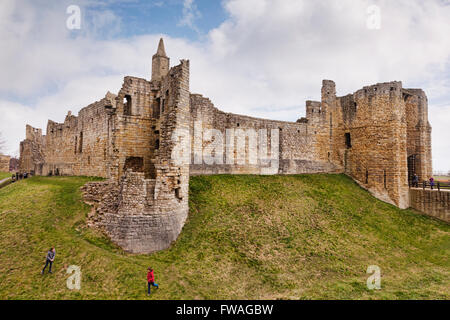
<point>431,202</point>
<point>150,208</point>
<point>4,163</point>
<point>378,135</point>
<point>373,121</point>
<point>13,164</point>
<point>297,143</point>
<point>32,157</point>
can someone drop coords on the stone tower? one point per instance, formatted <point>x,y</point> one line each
<point>160,63</point>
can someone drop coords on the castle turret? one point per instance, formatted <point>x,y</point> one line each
<point>160,63</point>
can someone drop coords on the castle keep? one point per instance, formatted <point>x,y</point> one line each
<point>379,136</point>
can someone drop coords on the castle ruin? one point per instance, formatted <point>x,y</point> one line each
<point>379,135</point>
<point>4,163</point>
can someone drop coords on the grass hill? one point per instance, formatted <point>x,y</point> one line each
<point>247,237</point>
<point>4,175</point>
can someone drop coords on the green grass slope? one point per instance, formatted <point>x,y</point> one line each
<point>247,237</point>
<point>4,175</point>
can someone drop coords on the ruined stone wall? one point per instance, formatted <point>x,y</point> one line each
<point>368,139</point>
<point>418,133</point>
<point>4,163</point>
<point>32,158</point>
<point>149,213</point>
<point>431,202</point>
<point>80,145</point>
<point>14,165</point>
<point>133,143</point>
<point>296,143</point>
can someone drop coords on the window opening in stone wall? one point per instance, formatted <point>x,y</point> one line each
<point>156,108</point>
<point>331,124</point>
<point>127,105</point>
<point>385,180</point>
<point>80,149</point>
<point>348,140</point>
<point>157,144</point>
<point>89,160</point>
<point>367,176</point>
<point>136,164</point>
<point>162,105</point>
<point>412,160</point>
<point>178,193</point>
<point>76,144</point>
<point>166,107</point>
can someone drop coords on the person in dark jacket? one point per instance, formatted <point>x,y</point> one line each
<point>415,181</point>
<point>49,260</point>
<point>151,280</point>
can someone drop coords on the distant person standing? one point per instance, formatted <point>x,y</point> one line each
<point>151,280</point>
<point>49,260</point>
<point>415,181</point>
<point>431,182</point>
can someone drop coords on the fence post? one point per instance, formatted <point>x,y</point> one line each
<point>439,186</point>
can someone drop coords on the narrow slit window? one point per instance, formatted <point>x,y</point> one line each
<point>348,140</point>
<point>80,148</point>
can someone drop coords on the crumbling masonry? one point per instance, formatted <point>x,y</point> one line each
<point>379,136</point>
<point>4,163</point>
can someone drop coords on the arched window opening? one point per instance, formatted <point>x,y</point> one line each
<point>127,105</point>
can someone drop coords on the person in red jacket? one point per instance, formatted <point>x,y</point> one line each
<point>151,279</point>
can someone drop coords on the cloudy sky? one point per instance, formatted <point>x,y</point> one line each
<point>258,57</point>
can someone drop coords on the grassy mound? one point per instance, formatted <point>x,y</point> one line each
<point>4,175</point>
<point>247,237</point>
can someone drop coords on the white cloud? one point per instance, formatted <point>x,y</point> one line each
<point>190,14</point>
<point>265,60</point>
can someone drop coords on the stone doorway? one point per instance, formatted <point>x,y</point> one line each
<point>412,162</point>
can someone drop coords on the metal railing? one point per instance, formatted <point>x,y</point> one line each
<point>438,185</point>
